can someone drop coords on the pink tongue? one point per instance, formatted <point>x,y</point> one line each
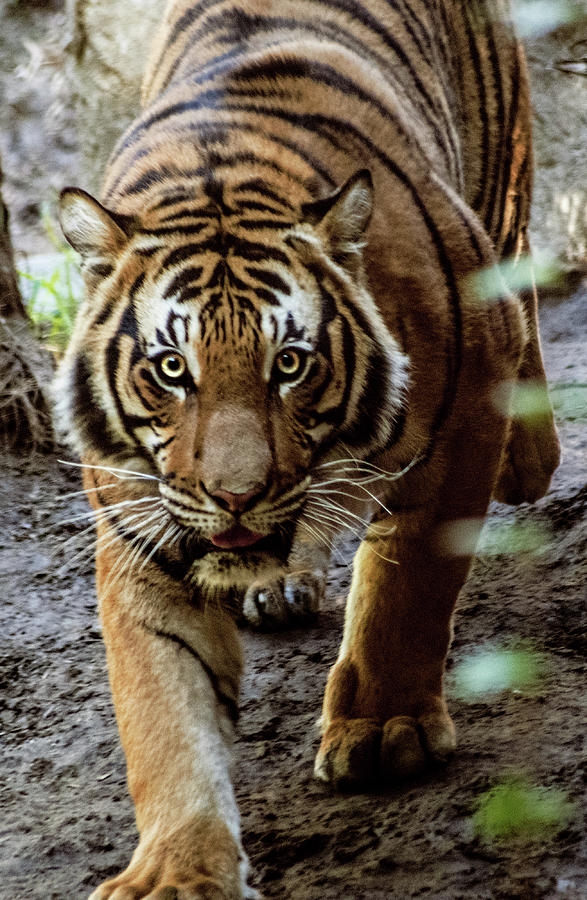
<point>237,536</point>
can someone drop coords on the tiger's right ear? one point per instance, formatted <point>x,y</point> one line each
<point>91,229</point>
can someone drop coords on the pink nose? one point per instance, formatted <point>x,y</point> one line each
<point>236,502</point>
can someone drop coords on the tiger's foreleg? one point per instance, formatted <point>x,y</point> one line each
<point>384,713</point>
<point>174,673</point>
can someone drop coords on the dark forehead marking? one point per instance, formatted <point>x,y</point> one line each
<point>214,188</point>
<point>248,307</point>
<point>176,324</point>
<point>292,330</point>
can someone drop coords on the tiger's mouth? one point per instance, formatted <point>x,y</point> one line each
<point>238,544</point>
<point>236,538</point>
<point>236,557</point>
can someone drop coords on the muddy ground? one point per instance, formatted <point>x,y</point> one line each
<point>67,821</point>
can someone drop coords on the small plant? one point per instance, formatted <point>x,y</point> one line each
<point>52,300</point>
<point>516,809</point>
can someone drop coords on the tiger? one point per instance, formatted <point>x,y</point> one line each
<point>283,337</point>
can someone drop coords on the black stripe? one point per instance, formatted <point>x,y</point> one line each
<point>243,127</point>
<point>271,279</point>
<point>172,200</point>
<point>472,28</point>
<point>336,415</point>
<point>408,13</point>
<point>256,252</point>
<point>163,444</point>
<point>500,138</point>
<point>189,213</point>
<point>257,186</point>
<point>253,224</point>
<point>91,418</point>
<point>312,70</point>
<point>147,252</point>
<point>129,324</point>
<point>102,270</point>
<point>179,254</point>
<point>185,279</point>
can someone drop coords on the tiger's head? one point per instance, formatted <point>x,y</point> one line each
<point>228,346</point>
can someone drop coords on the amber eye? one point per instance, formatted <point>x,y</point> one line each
<point>171,366</point>
<point>289,364</point>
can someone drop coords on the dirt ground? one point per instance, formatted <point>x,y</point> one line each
<point>67,821</point>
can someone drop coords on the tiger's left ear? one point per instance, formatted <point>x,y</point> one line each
<point>95,232</point>
<point>343,217</point>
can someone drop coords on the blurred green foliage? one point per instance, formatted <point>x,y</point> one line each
<point>462,537</point>
<point>535,18</point>
<point>517,275</point>
<point>52,299</point>
<point>516,809</point>
<point>569,401</point>
<point>496,670</point>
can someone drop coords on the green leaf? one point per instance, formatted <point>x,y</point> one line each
<point>517,809</point>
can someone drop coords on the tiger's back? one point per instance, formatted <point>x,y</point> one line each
<point>442,85</point>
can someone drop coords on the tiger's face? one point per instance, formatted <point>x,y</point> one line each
<point>231,361</point>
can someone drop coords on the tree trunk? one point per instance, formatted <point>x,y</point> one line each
<point>109,44</point>
<point>25,369</point>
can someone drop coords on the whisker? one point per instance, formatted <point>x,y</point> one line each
<point>136,545</point>
<point>330,544</point>
<point>368,545</point>
<point>165,537</point>
<point>105,511</point>
<point>369,493</point>
<point>86,491</point>
<point>123,474</point>
<point>99,541</point>
<point>356,465</point>
<point>335,508</point>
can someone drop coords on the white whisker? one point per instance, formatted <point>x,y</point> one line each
<point>122,474</point>
<point>86,491</point>
<point>164,538</point>
<point>105,512</point>
<point>334,508</point>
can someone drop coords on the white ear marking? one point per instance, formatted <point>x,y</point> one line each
<point>90,228</point>
<point>343,217</point>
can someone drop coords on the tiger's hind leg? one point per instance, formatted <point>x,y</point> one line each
<point>532,452</point>
<point>293,598</point>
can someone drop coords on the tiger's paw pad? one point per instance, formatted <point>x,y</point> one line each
<point>206,889</point>
<point>200,861</point>
<point>284,602</point>
<point>357,752</point>
<point>203,889</point>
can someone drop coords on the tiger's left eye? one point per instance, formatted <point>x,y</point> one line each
<point>289,363</point>
<point>171,366</point>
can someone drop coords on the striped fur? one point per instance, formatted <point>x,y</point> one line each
<point>279,288</point>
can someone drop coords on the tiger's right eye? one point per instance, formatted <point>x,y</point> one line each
<point>171,367</point>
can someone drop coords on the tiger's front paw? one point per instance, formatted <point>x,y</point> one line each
<point>357,752</point>
<point>287,601</point>
<point>191,863</point>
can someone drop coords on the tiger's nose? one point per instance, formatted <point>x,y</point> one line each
<point>236,503</point>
